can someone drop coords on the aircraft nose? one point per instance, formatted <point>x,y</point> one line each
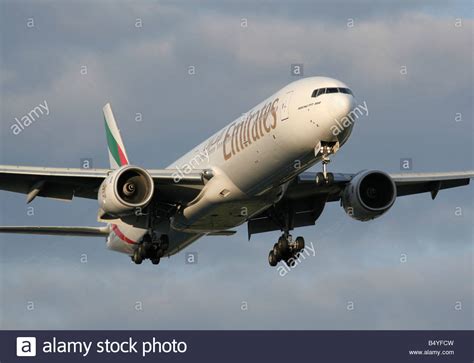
<point>343,119</point>
<point>341,105</point>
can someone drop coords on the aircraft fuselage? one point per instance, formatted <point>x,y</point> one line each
<point>253,158</point>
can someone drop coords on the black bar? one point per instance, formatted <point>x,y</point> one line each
<point>244,346</point>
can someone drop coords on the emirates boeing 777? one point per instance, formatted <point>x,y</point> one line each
<point>252,171</point>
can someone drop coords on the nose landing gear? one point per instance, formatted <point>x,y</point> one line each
<point>286,250</point>
<point>325,150</point>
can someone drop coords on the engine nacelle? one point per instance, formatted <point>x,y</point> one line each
<point>126,189</point>
<point>369,195</point>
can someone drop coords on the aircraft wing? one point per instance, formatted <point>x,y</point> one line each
<point>414,183</point>
<point>407,183</point>
<point>306,200</point>
<point>66,183</point>
<point>58,231</point>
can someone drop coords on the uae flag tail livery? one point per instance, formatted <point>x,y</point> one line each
<point>117,154</point>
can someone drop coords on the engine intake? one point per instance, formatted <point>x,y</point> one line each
<point>369,195</point>
<point>125,189</point>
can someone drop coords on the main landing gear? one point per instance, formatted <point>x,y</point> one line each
<point>286,250</point>
<point>151,249</point>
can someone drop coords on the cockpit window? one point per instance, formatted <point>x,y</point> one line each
<point>318,92</point>
<point>345,90</point>
<point>321,91</point>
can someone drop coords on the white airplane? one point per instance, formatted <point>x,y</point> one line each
<point>252,171</point>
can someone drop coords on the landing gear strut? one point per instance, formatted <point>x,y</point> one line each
<point>325,150</point>
<point>286,249</point>
<point>151,249</point>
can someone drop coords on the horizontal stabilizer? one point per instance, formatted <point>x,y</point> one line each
<point>57,231</point>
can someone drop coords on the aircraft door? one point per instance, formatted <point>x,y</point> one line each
<point>285,107</point>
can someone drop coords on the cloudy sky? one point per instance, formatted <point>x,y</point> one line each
<point>410,61</point>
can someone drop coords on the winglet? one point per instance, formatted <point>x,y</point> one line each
<point>117,154</point>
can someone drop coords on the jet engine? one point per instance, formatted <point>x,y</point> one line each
<point>124,190</point>
<point>369,195</point>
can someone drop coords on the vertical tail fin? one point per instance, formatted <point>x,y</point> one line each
<point>117,154</point>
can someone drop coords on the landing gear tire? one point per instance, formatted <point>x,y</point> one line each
<point>276,252</point>
<point>329,178</point>
<point>155,261</point>
<point>281,250</point>
<point>283,244</point>
<point>146,247</point>
<point>272,260</point>
<point>160,253</point>
<point>299,243</point>
<point>137,257</point>
<point>142,250</point>
<point>320,179</point>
